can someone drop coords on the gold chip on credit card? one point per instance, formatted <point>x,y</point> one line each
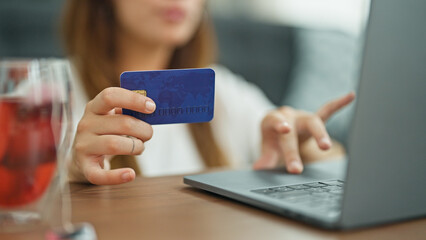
<point>142,92</point>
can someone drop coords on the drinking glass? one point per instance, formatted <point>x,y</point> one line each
<point>35,139</point>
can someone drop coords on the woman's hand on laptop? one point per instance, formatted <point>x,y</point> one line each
<point>286,129</point>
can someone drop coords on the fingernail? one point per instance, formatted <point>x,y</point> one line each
<point>150,106</point>
<point>125,176</point>
<point>296,167</point>
<point>326,141</point>
<point>280,127</point>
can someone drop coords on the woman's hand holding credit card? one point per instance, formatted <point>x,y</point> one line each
<point>111,124</point>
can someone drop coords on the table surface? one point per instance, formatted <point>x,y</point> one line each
<point>165,208</point>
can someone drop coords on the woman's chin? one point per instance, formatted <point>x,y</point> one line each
<point>177,39</point>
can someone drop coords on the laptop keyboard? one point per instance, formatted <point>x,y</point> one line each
<point>324,196</point>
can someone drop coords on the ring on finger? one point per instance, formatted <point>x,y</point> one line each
<point>133,144</point>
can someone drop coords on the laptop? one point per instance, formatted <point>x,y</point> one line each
<point>384,178</point>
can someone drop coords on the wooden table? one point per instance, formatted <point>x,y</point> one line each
<point>165,208</point>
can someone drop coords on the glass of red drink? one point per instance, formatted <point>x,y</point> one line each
<point>34,103</point>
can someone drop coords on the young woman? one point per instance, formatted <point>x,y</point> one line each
<point>106,37</point>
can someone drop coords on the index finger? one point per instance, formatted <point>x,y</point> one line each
<point>115,97</point>
<point>326,111</point>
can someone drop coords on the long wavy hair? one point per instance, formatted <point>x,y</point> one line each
<point>88,31</point>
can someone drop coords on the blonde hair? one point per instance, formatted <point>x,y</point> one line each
<point>88,32</point>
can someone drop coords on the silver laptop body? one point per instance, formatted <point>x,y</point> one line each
<point>384,179</point>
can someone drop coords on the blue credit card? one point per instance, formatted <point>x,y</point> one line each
<point>181,96</point>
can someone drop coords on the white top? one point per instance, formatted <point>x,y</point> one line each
<point>239,109</point>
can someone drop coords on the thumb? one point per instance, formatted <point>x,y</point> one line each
<point>269,157</point>
<point>266,161</point>
<point>273,125</point>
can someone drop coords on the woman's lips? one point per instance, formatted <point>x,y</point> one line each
<point>174,15</point>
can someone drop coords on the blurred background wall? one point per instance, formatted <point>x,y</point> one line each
<point>300,52</point>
